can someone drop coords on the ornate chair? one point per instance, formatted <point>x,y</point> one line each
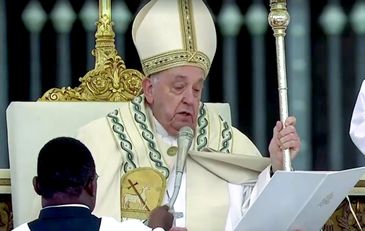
<point>61,111</point>
<point>5,201</point>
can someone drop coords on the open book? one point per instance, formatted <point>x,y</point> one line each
<point>299,200</point>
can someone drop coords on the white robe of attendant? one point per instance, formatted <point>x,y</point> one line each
<point>357,126</point>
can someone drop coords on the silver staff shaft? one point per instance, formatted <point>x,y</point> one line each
<point>279,19</point>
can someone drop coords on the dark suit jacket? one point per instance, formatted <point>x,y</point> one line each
<point>71,218</point>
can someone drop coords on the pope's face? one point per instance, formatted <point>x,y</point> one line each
<point>174,96</point>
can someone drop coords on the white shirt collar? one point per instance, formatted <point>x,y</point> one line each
<point>162,133</point>
<point>160,130</point>
<point>66,205</point>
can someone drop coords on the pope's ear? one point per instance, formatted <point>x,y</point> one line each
<point>147,89</point>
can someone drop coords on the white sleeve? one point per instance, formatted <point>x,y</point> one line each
<point>23,227</point>
<point>111,224</point>
<point>158,229</point>
<point>261,183</point>
<point>357,126</point>
<point>242,196</point>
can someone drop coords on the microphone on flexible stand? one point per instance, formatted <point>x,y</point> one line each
<point>184,140</point>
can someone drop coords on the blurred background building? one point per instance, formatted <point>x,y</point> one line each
<point>46,44</point>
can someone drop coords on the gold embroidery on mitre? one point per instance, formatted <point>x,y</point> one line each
<point>175,58</point>
<point>142,190</point>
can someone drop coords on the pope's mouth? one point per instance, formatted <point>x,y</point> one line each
<point>185,113</point>
<point>185,116</point>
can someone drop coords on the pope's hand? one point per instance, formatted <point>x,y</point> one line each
<point>284,138</point>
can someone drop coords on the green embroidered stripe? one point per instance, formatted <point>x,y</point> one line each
<point>226,137</point>
<point>123,140</point>
<point>202,139</point>
<point>148,136</point>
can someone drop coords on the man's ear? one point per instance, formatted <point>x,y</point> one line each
<point>36,185</point>
<point>147,89</point>
<point>91,187</point>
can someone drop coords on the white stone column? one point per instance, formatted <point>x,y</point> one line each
<point>333,21</point>
<point>34,18</point>
<point>121,18</point>
<point>89,16</point>
<point>63,17</point>
<point>299,77</point>
<point>256,21</point>
<point>230,21</point>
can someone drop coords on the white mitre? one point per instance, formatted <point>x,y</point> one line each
<point>171,33</point>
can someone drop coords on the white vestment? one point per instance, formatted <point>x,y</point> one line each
<point>130,137</point>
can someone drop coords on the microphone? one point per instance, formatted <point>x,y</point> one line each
<point>184,140</point>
